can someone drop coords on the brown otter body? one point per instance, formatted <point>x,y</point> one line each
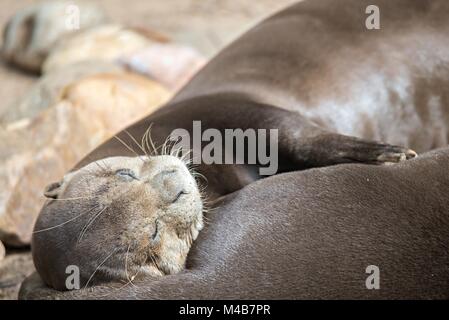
<point>316,69</point>
<point>296,235</point>
<point>315,72</point>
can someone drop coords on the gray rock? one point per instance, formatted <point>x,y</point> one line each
<point>48,90</point>
<point>37,151</point>
<point>32,32</point>
<point>13,270</point>
<point>102,43</point>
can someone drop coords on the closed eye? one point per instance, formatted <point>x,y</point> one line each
<point>126,174</point>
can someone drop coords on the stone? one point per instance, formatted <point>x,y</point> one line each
<point>172,65</point>
<point>2,251</point>
<point>101,43</point>
<point>41,150</point>
<point>33,31</point>
<point>13,270</point>
<point>47,91</point>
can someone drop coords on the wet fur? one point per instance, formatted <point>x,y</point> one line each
<point>297,236</point>
<point>315,72</point>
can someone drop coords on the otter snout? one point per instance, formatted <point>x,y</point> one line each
<point>171,184</point>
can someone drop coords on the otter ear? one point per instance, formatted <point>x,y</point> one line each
<point>52,190</point>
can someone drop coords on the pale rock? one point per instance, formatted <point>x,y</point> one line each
<point>40,151</point>
<point>172,65</point>
<point>48,89</point>
<point>33,31</point>
<point>102,43</point>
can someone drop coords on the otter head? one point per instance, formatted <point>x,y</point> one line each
<point>117,219</point>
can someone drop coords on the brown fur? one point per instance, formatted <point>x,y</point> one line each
<point>297,235</point>
<point>315,72</point>
<point>141,214</point>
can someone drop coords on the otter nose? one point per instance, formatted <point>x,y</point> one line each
<point>170,184</point>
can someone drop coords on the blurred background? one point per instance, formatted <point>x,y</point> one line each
<point>80,95</point>
<point>207,25</point>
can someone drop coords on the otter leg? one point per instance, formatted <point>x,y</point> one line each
<point>301,143</point>
<point>331,148</point>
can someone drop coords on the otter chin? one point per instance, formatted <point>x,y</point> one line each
<point>117,219</point>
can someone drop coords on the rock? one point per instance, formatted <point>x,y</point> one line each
<point>32,32</point>
<point>129,96</point>
<point>41,150</point>
<point>47,91</point>
<point>170,64</point>
<point>2,251</point>
<point>141,50</point>
<point>103,43</point>
<point>13,270</point>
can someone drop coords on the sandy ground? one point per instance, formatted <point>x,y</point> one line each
<point>207,25</point>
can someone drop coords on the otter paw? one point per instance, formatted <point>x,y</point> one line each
<point>332,148</point>
<point>347,149</point>
<point>378,153</point>
<point>397,155</point>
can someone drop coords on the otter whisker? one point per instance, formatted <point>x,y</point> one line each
<point>175,152</point>
<point>101,168</point>
<point>164,146</point>
<point>135,141</point>
<point>186,157</point>
<point>153,260</point>
<point>169,144</point>
<point>89,223</point>
<point>91,158</point>
<point>171,147</point>
<point>98,267</point>
<point>205,218</point>
<point>147,137</point>
<point>130,282</point>
<point>178,152</point>
<point>126,266</point>
<point>72,199</point>
<point>70,220</point>
<point>144,143</point>
<point>92,219</point>
<point>108,168</point>
<point>123,286</point>
<point>104,165</point>
<point>197,174</point>
<point>128,147</point>
<point>157,152</point>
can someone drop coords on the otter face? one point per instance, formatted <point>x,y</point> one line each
<point>117,219</point>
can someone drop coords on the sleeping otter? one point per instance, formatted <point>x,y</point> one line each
<point>119,218</point>
<point>315,73</point>
<point>311,235</point>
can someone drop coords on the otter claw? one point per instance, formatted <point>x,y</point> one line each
<point>411,154</point>
<point>394,157</point>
